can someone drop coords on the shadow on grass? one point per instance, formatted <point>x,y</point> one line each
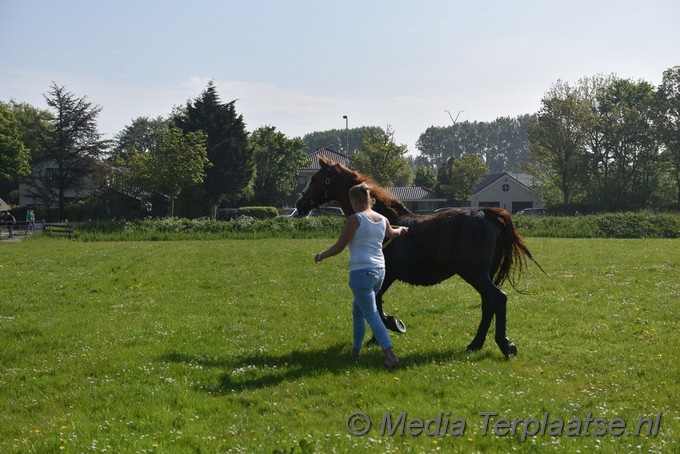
<point>262,369</point>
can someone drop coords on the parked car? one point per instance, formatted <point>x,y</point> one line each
<point>289,212</point>
<point>327,211</point>
<point>227,214</point>
<point>531,212</point>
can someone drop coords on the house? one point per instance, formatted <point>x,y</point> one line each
<point>40,188</point>
<point>505,191</point>
<point>417,199</point>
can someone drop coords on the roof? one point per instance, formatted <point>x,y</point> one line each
<point>415,194</point>
<point>525,178</point>
<point>328,154</point>
<point>3,206</point>
<point>488,180</point>
<point>492,178</point>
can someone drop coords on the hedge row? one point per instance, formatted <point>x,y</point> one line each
<point>614,225</point>
<point>243,227</point>
<point>626,225</point>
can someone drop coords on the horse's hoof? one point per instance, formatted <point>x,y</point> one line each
<point>372,341</point>
<point>474,346</point>
<point>508,348</point>
<point>394,324</point>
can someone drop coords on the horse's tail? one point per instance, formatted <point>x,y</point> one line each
<point>511,250</point>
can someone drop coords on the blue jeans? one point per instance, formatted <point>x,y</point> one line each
<point>365,284</point>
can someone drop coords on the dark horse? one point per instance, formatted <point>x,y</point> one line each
<point>482,246</point>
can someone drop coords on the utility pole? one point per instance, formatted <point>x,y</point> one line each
<point>456,120</point>
<point>454,127</point>
<point>346,134</point>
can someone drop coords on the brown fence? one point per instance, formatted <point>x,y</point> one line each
<point>50,228</point>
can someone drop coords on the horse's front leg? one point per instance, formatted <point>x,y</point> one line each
<point>391,323</point>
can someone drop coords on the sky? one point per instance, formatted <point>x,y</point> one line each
<point>301,65</point>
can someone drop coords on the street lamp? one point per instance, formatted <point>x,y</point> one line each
<point>346,134</point>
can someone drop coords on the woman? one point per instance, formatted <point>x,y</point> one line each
<point>363,234</point>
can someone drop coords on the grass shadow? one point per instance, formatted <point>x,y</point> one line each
<point>263,370</point>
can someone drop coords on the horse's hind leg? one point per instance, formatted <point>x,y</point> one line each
<point>494,302</point>
<point>500,306</point>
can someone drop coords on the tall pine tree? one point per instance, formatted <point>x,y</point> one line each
<point>232,160</point>
<point>75,149</point>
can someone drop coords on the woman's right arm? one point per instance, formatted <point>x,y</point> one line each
<point>391,232</point>
<point>346,236</point>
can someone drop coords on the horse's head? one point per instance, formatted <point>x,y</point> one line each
<point>331,182</point>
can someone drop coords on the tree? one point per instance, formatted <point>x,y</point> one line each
<point>14,156</point>
<point>233,166</point>
<point>463,175</point>
<point>667,120</point>
<point>596,140</point>
<point>343,140</point>
<point>277,160</point>
<point>141,136</point>
<point>178,161</point>
<point>503,142</point>
<point>557,142</point>
<point>383,160</point>
<point>436,144</point>
<point>33,123</point>
<point>626,123</point>
<point>425,178</point>
<point>506,143</point>
<point>30,121</point>
<point>132,151</point>
<point>74,145</point>
<point>598,174</point>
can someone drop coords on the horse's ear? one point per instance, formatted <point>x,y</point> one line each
<point>324,163</point>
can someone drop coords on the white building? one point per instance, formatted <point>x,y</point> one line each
<point>505,191</point>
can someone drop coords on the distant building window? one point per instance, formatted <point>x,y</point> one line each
<point>53,178</point>
<point>505,187</point>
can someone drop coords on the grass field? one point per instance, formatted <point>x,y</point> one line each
<point>242,346</point>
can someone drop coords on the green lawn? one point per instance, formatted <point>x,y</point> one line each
<point>242,346</point>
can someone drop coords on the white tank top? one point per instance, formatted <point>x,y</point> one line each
<point>366,246</point>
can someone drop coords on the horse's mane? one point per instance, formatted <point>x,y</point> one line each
<point>381,195</point>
